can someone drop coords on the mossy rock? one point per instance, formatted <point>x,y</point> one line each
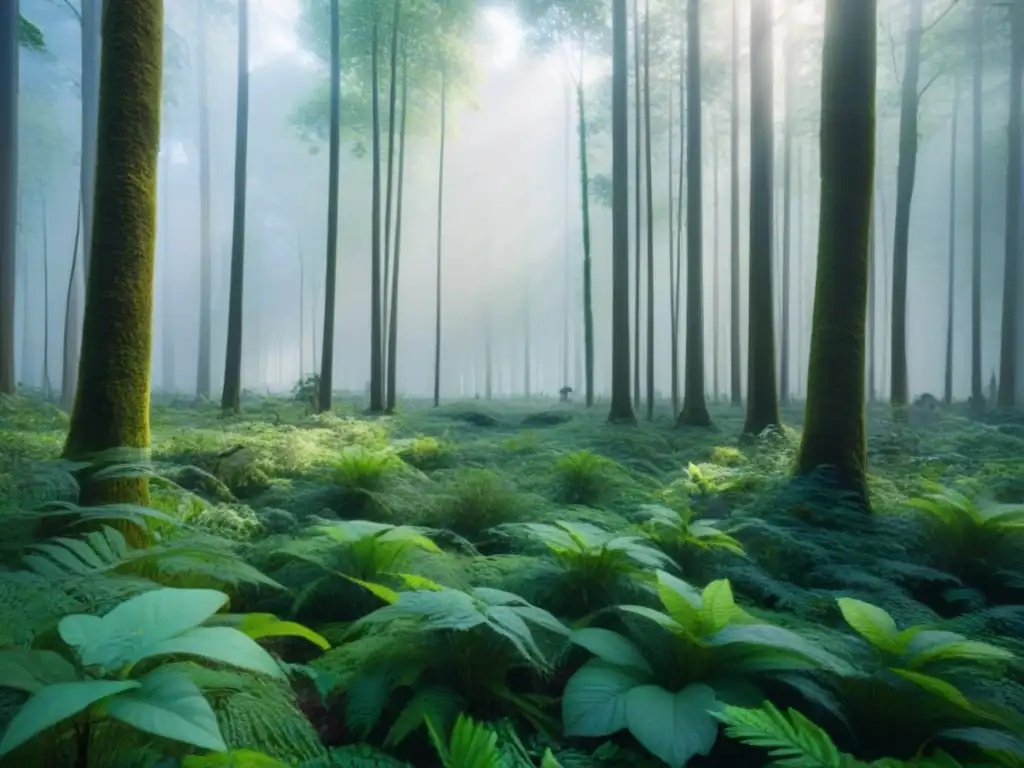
<point>547,419</point>
<point>238,470</point>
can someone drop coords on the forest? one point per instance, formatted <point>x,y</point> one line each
<point>511,383</point>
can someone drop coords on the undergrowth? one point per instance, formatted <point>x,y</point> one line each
<point>520,585</point>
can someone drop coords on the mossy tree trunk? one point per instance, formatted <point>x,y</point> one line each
<point>834,432</point>
<point>326,383</point>
<point>762,389</point>
<point>695,410</point>
<point>621,410</point>
<point>112,402</point>
<point>9,43</point>
<point>231,399</point>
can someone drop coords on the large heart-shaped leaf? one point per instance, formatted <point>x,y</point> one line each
<point>222,644</point>
<point>125,635</point>
<point>168,704</point>
<point>673,726</point>
<point>55,704</point>
<point>594,700</point>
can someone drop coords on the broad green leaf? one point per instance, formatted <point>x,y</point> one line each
<point>257,625</point>
<point>31,670</point>
<point>872,623</point>
<point>386,594</point>
<point>717,605</point>
<point>934,685</point>
<point>611,647</point>
<point>771,647</point>
<point>55,704</point>
<point>447,609</point>
<point>223,644</point>
<point>657,617</point>
<point>931,646</point>
<point>125,635</point>
<point>681,601</point>
<point>673,726</point>
<point>594,700</point>
<point>172,706</point>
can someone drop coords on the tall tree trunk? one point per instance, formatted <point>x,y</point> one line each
<point>204,372</point>
<point>762,392</point>
<point>302,311</point>
<point>388,193</point>
<point>392,378</point>
<point>977,100</point>
<point>9,26</point>
<point>567,265</point>
<point>947,391</point>
<point>906,172</point>
<point>231,398</point>
<point>440,221</point>
<point>884,267</point>
<point>47,386</point>
<point>872,319</point>
<point>695,410</point>
<point>715,264</point>
<point>326,382</point>
<point>69,339</point>
<point>649,180</point>
<point>112,405</point>
<point>1008,335</point>
<point>621,410</point>
<point>638,205</point>
<point>798,270</point>
<point>488,356</point>
<point>735,371</point>
<point>588,290</point>
<point>676,258</point>
<point>376,315</point>
<point>834,432</point>
<point>787,189</point>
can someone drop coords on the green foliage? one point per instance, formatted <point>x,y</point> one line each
<point>30,36</point>
<point>584,477</point>
<point>976,541</point>
<point>105,651</point>
<point>474,745</point>
<point>594,567</point>
<point>720,653</point>
<point>362,475</point>
<point>676,531</point>
<point>425,453</point>
<point>345,553</point>
<point>473,501</point>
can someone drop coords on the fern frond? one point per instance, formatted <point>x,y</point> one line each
<point>791,739</point>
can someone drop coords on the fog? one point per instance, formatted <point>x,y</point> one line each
<point>512,234</point>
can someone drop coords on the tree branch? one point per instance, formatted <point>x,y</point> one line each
<point>928,85</point>
<point>952,3</point>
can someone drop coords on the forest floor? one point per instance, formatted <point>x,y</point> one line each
<point>489,483</point>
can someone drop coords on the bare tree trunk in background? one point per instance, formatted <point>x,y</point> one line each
<point>204,376</point>
<point>388,194</point>
<point>440,221</point>
<point>947,391</point>
<point>715,263</point>
<point>331,279</point>
<point>621,410</point>
<point>47,387</point>
<point>882,212</point>
<point>588,292</point>
<point>9,36</point>
<point>567,266</point>
<point>671,252</point>
<point>872,319</point>
<point>977,85</point>
<point>735,370</point>
<point>231,399</point>
<point>392,372</point>
<point>676,258</point>
<point>762,389</point>
<point>69,344</point>
<point>906,172</point>
<point>649,181</point>
<point>798,269</point>
<point>787,212</point>
<point>638,178</point>
<point>1011,264</point>
<point>376,294</point>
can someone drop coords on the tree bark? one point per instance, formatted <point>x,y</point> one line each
<point>762,390</point>
<point>376,337</point>
<point>977,101</point>
<point>231,398</point>
<point>834,433</point>
<point>326,382</point>
<point>621,410</point>
<point>649,181</point>
<point>204,372</point>
<point>735,370</point>
<point>112,405</point>
<point>638,198</point>
<point>9,36</point>
<point>392,377</point>
<point>947,391</point>
<point>440,221</point>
